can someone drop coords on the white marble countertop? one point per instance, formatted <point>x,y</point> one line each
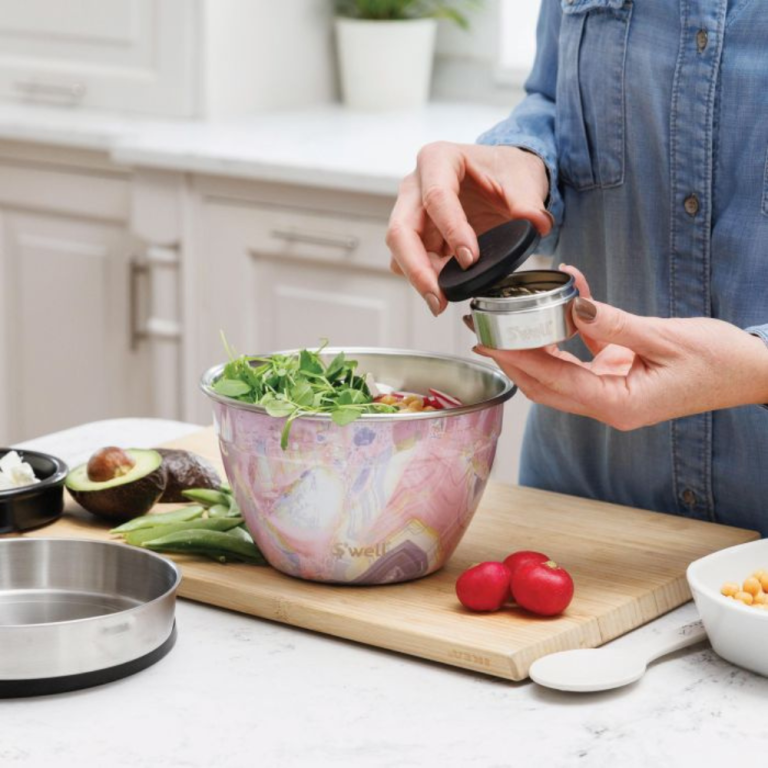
<point>238,691</point>
<point>324,146</point>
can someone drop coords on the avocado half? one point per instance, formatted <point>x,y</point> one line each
<point>185,470</point>
<point>124,497</point>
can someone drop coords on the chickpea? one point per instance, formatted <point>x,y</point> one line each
<point>764,582</point>
<point>751,585</point>
<point>408,399</point>
<point>761,598</point>
<point>415,406</point>
<point>388,400</point>
<point>729,589</point>
<point>429,408</point>
<point>744,597</point>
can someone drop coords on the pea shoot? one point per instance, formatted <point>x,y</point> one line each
<point>299,384</point>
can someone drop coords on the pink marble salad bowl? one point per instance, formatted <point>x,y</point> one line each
<point>384,499</point>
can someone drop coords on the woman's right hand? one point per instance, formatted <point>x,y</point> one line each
<point>457,192</point>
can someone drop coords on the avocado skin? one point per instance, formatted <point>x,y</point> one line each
<point>124,502</point>
<point>185,470</point>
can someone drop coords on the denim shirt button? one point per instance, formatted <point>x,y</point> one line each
<point>702,39</point>
<point>689,498</point>
<point>691,205</point>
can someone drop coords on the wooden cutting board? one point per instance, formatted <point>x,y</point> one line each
<point>628,566</point>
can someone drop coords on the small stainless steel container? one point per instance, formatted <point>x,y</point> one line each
<point>512,310</point>
<point>526,310</point>
<point>76,613</point>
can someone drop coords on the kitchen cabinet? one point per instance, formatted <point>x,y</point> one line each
<point>175,58</point>
<point>66,355</point>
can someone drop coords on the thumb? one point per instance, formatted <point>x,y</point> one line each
<point>606,324</point>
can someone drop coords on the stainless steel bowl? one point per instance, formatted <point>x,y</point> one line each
<point>536,318</point>
<point>384,499</point>
<point>76,613</point>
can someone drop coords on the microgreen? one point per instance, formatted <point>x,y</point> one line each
<point>299,384</point>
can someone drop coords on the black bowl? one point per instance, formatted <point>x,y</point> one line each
<point>38,504</point>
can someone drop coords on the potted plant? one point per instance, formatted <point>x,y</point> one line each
<point>386,48</point>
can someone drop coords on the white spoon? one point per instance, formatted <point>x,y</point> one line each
<point>600,669</point>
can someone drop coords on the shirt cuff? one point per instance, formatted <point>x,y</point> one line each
<point>761,331</point>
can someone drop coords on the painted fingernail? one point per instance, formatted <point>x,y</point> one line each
<point>585,309</point>
<point>464,256</point>
<point>433,303</point>
<point>469,322</point>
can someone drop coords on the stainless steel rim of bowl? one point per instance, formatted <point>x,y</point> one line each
<point>59,475</point>
<point>508,389</point>
<point>40,540</point>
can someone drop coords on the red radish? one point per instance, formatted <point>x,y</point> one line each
<point>543,588</point>
<point>518,559</point>
<point>447,400</point>
<point>483,587</point>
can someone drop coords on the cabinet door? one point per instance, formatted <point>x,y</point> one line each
<point>279,279</point>
<point>66,320</point>
<point>131,55</point>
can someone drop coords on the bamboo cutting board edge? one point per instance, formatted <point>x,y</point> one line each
<point>643,576</point>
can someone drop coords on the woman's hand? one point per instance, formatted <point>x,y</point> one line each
<point>645,369</point>
<point>457,191</point>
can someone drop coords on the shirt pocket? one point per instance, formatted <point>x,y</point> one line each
<point>590,113</point>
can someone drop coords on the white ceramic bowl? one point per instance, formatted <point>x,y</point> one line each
<point>738,633</point>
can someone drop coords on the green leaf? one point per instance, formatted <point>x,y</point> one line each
<point>344,416</point>
<point>309,363</point>
<point>279,408</point>
<point>336,366</point>
<point>231,387</point>
<point>303,394</point>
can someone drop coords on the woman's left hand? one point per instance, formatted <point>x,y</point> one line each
<point>645,369</point>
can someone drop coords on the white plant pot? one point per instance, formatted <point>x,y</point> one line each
<point>385,64</point>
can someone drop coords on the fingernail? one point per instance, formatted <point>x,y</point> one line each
<point>469,322</point>
<point>585,309</point>
<point>464,256</point>
<point>433,303</point>
<point>549,216</point>
<point>562,266</point>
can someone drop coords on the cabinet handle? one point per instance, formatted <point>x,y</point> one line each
<point>73,92</point>
<point>347,243</point>
<point>136,269</point>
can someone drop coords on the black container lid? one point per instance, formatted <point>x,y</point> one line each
<point>502,250</point>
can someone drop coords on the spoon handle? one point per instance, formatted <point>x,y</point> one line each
<point>673,640</point>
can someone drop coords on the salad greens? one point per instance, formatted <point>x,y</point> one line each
<point>299,384</point>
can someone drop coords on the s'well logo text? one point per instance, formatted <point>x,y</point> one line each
<point>347,550</point>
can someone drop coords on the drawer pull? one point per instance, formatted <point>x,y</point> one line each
<point>39,89</point>
<point>346,243</point>
<point>136,270</point>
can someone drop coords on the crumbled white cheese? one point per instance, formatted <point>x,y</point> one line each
<point>15,473</point>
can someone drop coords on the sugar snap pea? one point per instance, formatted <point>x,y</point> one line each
<point>138,537</point>
<point>207,496</point>
<point>219,510</point>
<point>211,543</point>
<point>182,514</point>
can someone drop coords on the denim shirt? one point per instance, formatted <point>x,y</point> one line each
<point>652,119</point>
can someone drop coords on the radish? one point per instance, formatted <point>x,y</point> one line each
<point>447,400</point>
<point>517,560</point>
<point>484,587</point>
<point>543,588</point>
